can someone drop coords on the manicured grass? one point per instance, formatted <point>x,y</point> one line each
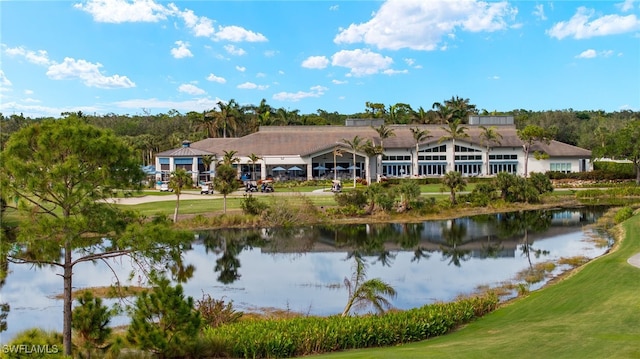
<point>215,204</point>
<point>594,313</point>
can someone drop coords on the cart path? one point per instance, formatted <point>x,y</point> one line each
<point>635,260</point>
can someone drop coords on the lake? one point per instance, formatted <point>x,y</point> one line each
<point>303,269</point>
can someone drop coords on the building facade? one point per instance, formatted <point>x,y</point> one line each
<point>308,152</point>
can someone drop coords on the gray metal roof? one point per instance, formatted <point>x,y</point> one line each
<point>307,140</point>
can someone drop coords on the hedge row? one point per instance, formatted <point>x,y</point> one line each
<point>281,338</point>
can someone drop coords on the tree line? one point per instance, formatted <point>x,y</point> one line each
<point>152,133</point>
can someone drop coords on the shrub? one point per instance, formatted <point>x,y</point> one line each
<point>36,343</point>
<point>91,322</point>
<point>251,205</point>
<point>623,214</point>
<point>356,198</point>
<point>215,312</point>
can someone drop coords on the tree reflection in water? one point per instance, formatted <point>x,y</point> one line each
<point>453,232</point>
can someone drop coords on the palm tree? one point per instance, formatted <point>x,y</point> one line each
<point>454,182</point>
<point>455,132</point>
<point>225,182</point>
<point>443,112</point>
<point>355,145</point>
<point>384,132</point>
<point>253,158</point>
<point>461,107</point>
<point>488,137</point>
<point>179,180</point>
<point>364,293</point>
<point>229,158</point>
<point>207,160</point>
<point>419,136</point>
<point>530,135</point>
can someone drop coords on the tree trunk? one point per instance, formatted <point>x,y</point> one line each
<point>638,173</point>
<point>175,212</point>
<point>68,298</point>
<point>224,204</point>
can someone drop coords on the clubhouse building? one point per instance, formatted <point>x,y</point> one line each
<point>311,152</point>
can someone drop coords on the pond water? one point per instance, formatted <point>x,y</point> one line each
<point>303,269</point>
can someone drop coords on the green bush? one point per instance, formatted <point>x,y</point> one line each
<point>356,198</point>
<point>251,205</point>
<point>215,312</point>
<point>312,335</point>
<point>34,343</point>
<point>623,214</point>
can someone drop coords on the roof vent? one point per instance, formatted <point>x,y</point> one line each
<point>186,143</point>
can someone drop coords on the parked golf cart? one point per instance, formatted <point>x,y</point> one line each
<point>336,186</point>
<point>164,187</point>
<point>251,186</point>
<point>266,186</point>
<point>205,188</point>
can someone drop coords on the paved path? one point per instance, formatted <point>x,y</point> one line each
<point>635,260</point>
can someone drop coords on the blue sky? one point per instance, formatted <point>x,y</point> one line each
<point>137,56</point>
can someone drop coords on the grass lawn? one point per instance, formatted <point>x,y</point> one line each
<point>593,313</point>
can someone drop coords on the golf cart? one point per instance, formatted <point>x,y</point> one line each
<point>164,187</point>
<point>251,186</point>
<point>266,186</point>
<point>205,188</point>
<point>336,186</point>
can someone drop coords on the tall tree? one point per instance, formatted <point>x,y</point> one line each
<point>461,108</point>
<point>455,131</point>
<point>207,160</point>
<point>62,174</point>
<point>444,113</point>
<point>375,110</point>
<point>419,136</point>
<point>529,136</point>
<point>225,182</point>
<point>625,144</point>
<point>178,181</point>
<point>384,132</point>
<point>229,158</point>
<point>355,145</point>
<point>489,137</point>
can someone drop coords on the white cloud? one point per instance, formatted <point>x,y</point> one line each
<point>315,62</point>
<point>261,74</point>
<point>190,89</point>
<point>182,50</point>
<point>201,26</point>
<point>214,78</point>
<point>591,53</point>
<point>34,111</point>
<point>334,7</point>
<point>28,92</point>
<point>627,5</point>
<point>4,81</point>
<point>494,77</point>
<point>587,54</point>
<point>252,86</point>
<point>394,72</point>
<point>579,26</point>
<point>241,68</point>
<point>119,11</point>
<point>234,50</point>
<point>39,57</point>
<point>421,25</point>
<point>89,73</point>
<point>316,91</point>
<point>361,62</point>
<point>539,12</point>
<point>338,82</point>
<point>237,34</point>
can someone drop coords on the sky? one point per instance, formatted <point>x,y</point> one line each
<point>149,56</point>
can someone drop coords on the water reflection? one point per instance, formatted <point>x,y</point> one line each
<point>303,268</point>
